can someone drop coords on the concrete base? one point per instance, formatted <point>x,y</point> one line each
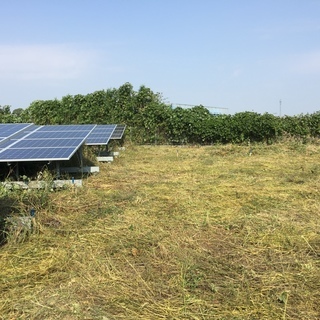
<point>114,153</point>
<point>56,184</point>
<point>80,170</point>
<point>108,154</point>
<point>105,158</point>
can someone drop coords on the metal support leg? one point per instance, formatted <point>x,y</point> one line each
<point>17,171</point>
<point>58,169</point>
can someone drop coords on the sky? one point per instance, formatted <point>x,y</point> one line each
<point>249,55</point>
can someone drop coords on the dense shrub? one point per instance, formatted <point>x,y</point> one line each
<point>150,120</point>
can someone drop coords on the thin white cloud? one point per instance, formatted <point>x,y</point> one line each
<point>29,62</point>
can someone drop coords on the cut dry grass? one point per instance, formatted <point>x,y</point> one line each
<point>176,233</point>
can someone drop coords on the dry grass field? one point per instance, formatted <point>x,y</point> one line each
<point>175,233</point>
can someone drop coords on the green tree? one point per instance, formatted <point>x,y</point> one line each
<point>5,114</point>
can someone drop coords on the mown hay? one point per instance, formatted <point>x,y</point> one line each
<point>175,233</point>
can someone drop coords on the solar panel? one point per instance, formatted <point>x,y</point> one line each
<point>67,127</point>
<point>23,132</point>
<point>5,143</point>
<point>101,134</point>
<point>39,154</point>
<point>28,142</point>
<point>118,132</point>
<point>9,129</point>
<point>57,135</point>
<point>45,143</point>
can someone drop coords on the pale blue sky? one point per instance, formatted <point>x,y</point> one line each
<point>243,55</point>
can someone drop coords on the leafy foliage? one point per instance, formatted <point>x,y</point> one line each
<point>7,117</point>
<point>150,120</point>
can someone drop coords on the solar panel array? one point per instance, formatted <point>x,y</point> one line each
<point>28,142</point>
<point>42,143</point>
<point>101,134</point>
<point>118,132</point>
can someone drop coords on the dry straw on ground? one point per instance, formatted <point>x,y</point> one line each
<point>176,233</point>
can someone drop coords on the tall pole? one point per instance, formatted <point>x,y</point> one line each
<point>280,107</point>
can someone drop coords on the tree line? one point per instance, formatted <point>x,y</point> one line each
<point>150,120</point>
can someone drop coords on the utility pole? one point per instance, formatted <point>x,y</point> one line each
<point>280,107</point>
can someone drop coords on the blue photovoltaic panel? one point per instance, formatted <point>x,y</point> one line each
<point>23,133</point>
<point>68,128</point>
<point>118,132</point>
<point>45,143</point>
<point>57,135</point>
<point>40,154</point>
<point>6,143</point>
<point>29,142</point>
<point>9,129</point>
<point>101,134</point>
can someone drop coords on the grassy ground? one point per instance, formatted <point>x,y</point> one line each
<point>175,233</point>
